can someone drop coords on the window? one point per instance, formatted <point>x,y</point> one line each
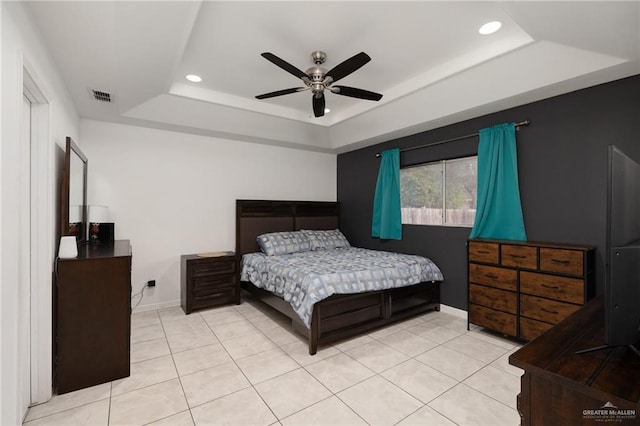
<point>441,193</point>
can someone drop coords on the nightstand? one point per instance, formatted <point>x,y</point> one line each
<point>208,279</point>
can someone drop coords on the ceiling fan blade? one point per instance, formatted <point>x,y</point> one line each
<point>283,64</point>
<point>318,105</point>
<point>281,92</point>
<point>347,67</point>
<point>356,93</point>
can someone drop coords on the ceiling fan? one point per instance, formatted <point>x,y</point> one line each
<point>318,79</point>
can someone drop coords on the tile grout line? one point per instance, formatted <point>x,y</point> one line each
<point>482,392</point>
<point>300,366</point>
<point>410,358</point>
<point>241,371</point>
<point>304,368</point>
<point>110,396</point>
<point>26,423</point>
<point>184,394</point>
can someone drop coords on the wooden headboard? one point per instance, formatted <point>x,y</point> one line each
<point>255,217</point>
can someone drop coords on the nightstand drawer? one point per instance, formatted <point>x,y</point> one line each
<point>211,267</point>
<point>563,261</point>
<point>503,278</point>
<point>495,320</point>
<point>506,301</point>
<point>204,285</point>
<point>214,299</point>
<point>519,256</point>
<point>546,310</point>
<point>483,252</point>
<point>553,287</point>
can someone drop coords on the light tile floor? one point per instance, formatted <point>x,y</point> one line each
<point>243,365</point>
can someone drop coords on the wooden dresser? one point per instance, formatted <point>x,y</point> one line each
<point>523,289</point>
<point>208,280</point>
<point>92,316</point>
<point>561,387</point>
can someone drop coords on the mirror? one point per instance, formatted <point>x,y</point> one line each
<point>73,194</point>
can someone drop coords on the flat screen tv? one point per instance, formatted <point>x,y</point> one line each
<point>622,286</point>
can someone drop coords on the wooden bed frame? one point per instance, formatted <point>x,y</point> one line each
<point>338,316</point>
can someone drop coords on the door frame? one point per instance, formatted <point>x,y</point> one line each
<point>42,245</point>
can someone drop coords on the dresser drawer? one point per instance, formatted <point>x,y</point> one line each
<point>530,329</point>
<point>523,288</point>
<point>484,252</point>
<point>493,276</point>
<point>501,300</point>
<point>546,310</point>
<point>519,256</point>
<point>561,260</point>
<point>210,267</point>
<point>495,320</point>
<point>552,286</point>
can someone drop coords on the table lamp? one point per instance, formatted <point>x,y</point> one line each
<point>97,215</point>
<point>68,247</point>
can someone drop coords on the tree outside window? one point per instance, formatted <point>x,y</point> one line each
<point>441,193</point>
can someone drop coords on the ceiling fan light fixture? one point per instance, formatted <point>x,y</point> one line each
<point>194,78</point>
<point>318,79</point>
<point>326,111</point>
<point>490,27</point>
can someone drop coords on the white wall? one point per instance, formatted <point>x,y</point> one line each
<point>3,392</point>
<point>22,45</point>
<point>173,193</point>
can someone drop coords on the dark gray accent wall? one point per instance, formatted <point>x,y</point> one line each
<point>562,160</point>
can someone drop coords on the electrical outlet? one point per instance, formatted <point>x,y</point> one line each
<point>151,283</point>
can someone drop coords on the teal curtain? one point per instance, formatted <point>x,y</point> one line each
<point>499,211</point>
<point>387,216</point>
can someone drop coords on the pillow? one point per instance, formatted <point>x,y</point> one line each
<point>283,242</point>
<point>322,240</point>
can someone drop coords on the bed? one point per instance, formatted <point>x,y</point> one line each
<point>340,315</point>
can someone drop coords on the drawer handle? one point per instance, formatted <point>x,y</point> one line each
<point>490,297</point>
<point>518,256</point>
<point>554,287</point>
<point>484,251</point>
<point>492,276</point>
<point>562,262</point>
<point>549,312</point>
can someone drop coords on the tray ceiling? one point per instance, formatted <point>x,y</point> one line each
<point>428,60</point>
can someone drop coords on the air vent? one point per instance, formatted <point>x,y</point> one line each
<point>101,96</point>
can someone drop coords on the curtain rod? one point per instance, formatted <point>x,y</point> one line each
<point>459,138</point>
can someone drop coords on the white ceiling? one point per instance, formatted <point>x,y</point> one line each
<point>428,61</point>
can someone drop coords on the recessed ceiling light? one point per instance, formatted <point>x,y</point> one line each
<point>490,27</point>
<point>194,78</point>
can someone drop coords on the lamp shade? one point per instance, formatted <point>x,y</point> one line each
<point>68,248</point>
<point>75,213</point>
<point>98,214</point>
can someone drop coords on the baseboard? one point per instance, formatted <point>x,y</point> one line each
<point>453,311</point>
<point>153,306</point>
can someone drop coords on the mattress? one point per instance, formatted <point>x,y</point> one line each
<point>305,278</point>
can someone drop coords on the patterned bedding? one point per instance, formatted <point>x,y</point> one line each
<point>304,278</point>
